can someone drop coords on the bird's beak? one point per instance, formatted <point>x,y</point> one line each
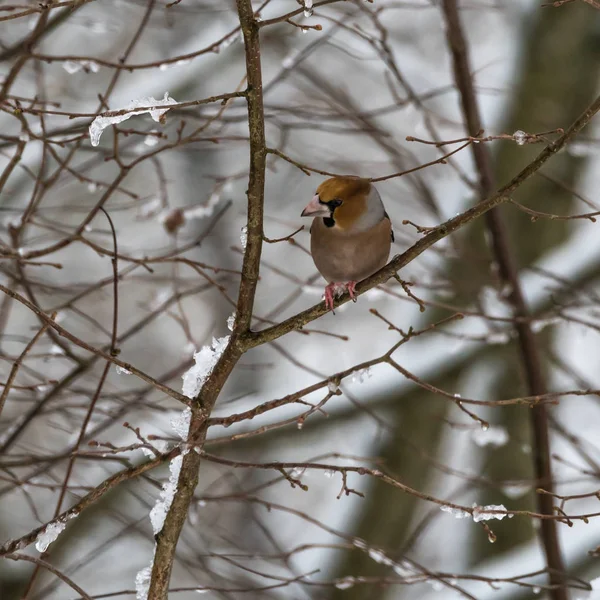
<point>315,209</point>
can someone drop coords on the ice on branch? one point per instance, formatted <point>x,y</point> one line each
<point>458,513</point>
<point>100,123</point>
<point>308,8</point>
<point>520,137</point>
<point>479,513</point>
<point>206,359</point>
<point>494,436</point>
<point>244,237</point>
<point>49,535</point>
<point>51,532</point>
<point>360,376</point>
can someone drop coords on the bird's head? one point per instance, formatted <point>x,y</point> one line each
<point>347,203</point>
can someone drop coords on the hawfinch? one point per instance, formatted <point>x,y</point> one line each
<point>351,234</point>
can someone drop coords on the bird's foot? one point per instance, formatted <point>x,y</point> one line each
<point>350,285</point>
<point>330,295</point>
<point>337,289</point>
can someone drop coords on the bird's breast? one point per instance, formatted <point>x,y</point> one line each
<point>349,256</point>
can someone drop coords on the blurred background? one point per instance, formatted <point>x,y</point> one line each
<point>341,99</point>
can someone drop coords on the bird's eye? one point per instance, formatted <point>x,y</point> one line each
<point>334,203</point>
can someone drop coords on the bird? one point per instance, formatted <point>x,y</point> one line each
<point>351,233</point>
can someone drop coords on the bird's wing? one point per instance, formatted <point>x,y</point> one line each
<point>391,230</point>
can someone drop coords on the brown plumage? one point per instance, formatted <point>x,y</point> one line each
<point>342,256</point>
<point>351,233</point>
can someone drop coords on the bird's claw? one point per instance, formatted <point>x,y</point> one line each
<point>350,287</point>
<point>329,295</point>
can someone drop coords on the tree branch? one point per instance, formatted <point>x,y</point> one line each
<point>166,539</point>
<point>509,274</point>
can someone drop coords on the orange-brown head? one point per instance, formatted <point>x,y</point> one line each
<point>347,203</point>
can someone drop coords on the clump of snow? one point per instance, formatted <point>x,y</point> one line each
<point>332,386</point>
<point>142,583</point>
<point>379,557</point>
<point>231,321</point>
<point>480,512</point>
<point>159,513</point>
<point>100,123</point>
<point>494,436</point>
<point>181,423</point>
<point>308,8</point>
<point>74,66</point>
<point>122,370</point>
<point>49,535</point>
<point>206,359</point>
<point>24,136</point>
<point>346,583</point>
<point>244,237</point>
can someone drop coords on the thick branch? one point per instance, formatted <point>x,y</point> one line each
<point>509,273</point>
<point>166,540</point>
